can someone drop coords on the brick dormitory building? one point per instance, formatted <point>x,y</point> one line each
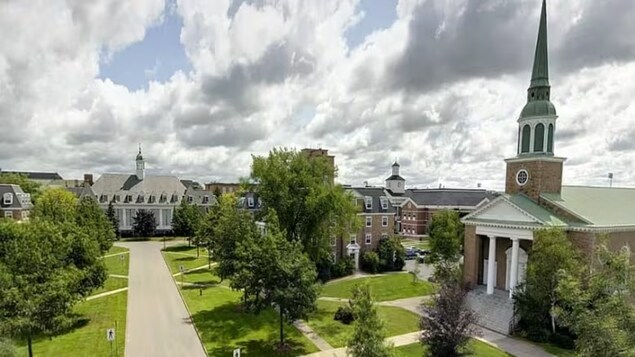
<point>499,235</point>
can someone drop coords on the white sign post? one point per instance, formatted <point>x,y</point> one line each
<point>182,270</point>
<point>236,352</point>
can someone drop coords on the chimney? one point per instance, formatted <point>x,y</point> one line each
<point>88,179</point>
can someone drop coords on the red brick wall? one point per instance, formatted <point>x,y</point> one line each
<point>471,250</point>
<point>544,176</point>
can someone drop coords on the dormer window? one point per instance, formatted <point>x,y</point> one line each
<point>368,201</point>
<point>205,199</point>
<point>117,198</point>
<point>140,199</point>
<point>190,199</point>
<point>128,199</point>
<point>7,198</point>
<point>384,202</point>
<point>151,199</point>
<point>250,202</point>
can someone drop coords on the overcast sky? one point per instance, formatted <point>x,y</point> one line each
<point>203,85</point>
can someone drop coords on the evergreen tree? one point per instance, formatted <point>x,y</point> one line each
<point>368,335</point>
<point>144,224</point>
<point>112,218</point>
<point>186,222</point>
<point>446,237</point>
<point>93,221</point>
<point>448,323</point>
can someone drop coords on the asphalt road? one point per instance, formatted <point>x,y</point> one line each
<point>157,322</point>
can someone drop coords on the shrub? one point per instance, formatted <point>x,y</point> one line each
<point>343,267</point>
<point>391,254</point>
<point>370,262</point>
<point>344,314</point>
<point>7,349</point>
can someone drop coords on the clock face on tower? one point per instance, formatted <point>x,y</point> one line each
<point>522,176</point>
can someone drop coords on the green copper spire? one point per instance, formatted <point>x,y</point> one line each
<point>540,74</point>
<point>538,94</point>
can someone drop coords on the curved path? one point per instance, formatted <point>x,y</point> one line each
<point>158,323</point>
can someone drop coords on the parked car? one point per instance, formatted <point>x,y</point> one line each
<point>421,255</point>
<point>410,253</point>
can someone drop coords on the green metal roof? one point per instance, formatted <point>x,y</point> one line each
<point>541,213</point>
<point>538,108</point>
<point>540,73</point>
<point>599,206</point>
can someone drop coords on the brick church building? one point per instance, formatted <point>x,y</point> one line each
<point>499,235</point>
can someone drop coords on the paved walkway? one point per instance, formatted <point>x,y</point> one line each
<point>158,323</point>
<point>97,296</point>
<point>307,331</point>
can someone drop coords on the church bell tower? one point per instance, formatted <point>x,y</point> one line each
<point>535,169</point>
<point>141,165</point>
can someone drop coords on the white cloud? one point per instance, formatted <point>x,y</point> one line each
<point>447,111</point>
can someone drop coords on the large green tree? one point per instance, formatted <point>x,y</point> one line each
<point>28,186</point>
<point>112,218</point>
<point>186,222</point>
<point>594,303</point>
<point>536,300</point>
<point>446,236</point>
<point>309,207</point>
<point>367,339</point>
<point>272,270</point>
<point>45,268</point>
<point>91,218</point>
<point>144,224</point>
<point>56,205</point>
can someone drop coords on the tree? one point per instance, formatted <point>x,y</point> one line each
<point>448,323</point>
<point>45,268</point>
<point>113,219</point>
<point>536,299</point>
<point>186,221</point>
<point>206,234</point>
<point>368,335</point>
<point>218,193</point>
<point>28,186</point>
<point>7,349</point>
<point>446,236</point>
<point>594,303</point>
<point>144,223</point>
<point>274,270</point>
<point>94,221</point>
<point>309,207</point>
<point>391,254</point>
<point>56,205</point>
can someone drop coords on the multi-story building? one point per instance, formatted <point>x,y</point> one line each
<point>222,187</point>
<point>43,178</point>
<point>14,203</point>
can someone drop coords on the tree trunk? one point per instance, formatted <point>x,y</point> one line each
<point>196,250</point>
<point>281,328</point>
<point>28,339</point>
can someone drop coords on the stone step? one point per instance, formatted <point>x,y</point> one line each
<point>495,311</point>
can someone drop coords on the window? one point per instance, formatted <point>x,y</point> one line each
<point>539,138</point>
<point>369,202</point>
<point>399,184</point>
<point>7,198</point>
<point>525,139</point>
<point>152,199</point>
<point>369,221</point>
<point>128,199</point>
<point>205,199</point>
<point>550,138</point>
<point>369,239</point>
<point>117,198</point>
<point>25,214</point>
<point>384,236</point>
<point>384,202</point>
<point>259,202</point>
<point>352,239</point>
<point>384,221</point>
<point>190,199</point>
<point>250,202</point>
<point>8,214</point>
<point>140,199</point>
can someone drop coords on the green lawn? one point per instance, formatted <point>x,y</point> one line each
<point>187,261</point>
<point>397,322</point>
<point>111,283</point>
<point>223,326</point>
<point>202,276</point>
<point>421,244</point>
<point>383,288</point>
<point>555,350</point>
<point>184,249</point>
<point>114,250</point>
<point>117,264</point>
<point>479,348</point>
<point>88,338</point>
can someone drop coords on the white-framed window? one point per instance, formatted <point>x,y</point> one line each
<point>384,202</point>
<point>369,221</point>
<point>190,199</point>
<point>8,214</point>
<point>250,201</point>
<point>384,221</point>
<point>368,201</point>
<point>369,239</point>
<point>7,198</point>
<point>205,199</point>
<point>352,238</point>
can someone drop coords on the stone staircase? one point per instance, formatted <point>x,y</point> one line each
<point>495,311</point>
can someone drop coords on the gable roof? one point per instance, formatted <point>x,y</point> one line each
<point>447,197</point>
<point>19,199</point>
<point>112,183</point>
<point>375,193</point>
<point>36,175</point>
<point>514,210</point>
<point>597,206</point>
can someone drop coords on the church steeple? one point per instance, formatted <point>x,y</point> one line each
<point>537,121</point>
<point>141,165</point>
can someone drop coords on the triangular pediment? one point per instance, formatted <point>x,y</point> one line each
<point>501,210</point>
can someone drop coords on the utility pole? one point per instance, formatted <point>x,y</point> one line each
<point>610,179</point>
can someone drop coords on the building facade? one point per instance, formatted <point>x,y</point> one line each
<point>14,203</point>
<point>499,235</point>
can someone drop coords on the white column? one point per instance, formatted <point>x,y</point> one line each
<point>491,260</point>
<point>513,274</point>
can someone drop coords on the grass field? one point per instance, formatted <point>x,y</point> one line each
<point>114,250</point>
<point>479,349</point>
<point>421,244</point>
<point>117,264</point>
<point>224,326</point>
<point>111,283</point>
<point>88,338</point>
<point>182,255</point>
<point>397,321</point>
<point>383,288</point>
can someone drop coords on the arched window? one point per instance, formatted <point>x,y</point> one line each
<point>539,138</point>
<point>525,139</point>
<point>550,139</point>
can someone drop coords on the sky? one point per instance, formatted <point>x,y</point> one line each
<point>204,85</point>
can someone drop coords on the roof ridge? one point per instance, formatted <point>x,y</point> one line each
<point>602,187</point>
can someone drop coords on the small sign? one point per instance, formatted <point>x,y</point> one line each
<point>181,268</point>
<point>236,352</point>
<point>110,334</point>
<point>121,257</point>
